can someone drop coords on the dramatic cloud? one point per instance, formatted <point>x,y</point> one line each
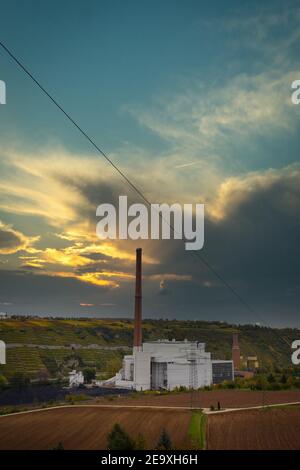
<point>12,241</point>
<point>228,140</point>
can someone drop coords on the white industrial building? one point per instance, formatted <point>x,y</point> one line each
<point>166,364</point>
<point>169,364</point>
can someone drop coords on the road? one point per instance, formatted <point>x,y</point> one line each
<point>155,407</point>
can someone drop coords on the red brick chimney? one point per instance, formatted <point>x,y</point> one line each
<point>137,340</point>
<point>235,351</point>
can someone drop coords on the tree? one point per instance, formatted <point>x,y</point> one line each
<point>283,379</point>
<point>3,381</point>
<point>59,446</point>
<point>140,442</point>
<point>164,441</point>
<point>113,366</point>
<point>271,379</point>
<point>260,383</point>
<point>19,381</point>
<point>89,374</point>
<point>290,381</point>
<point>43,376</point>
<point>118,439</point>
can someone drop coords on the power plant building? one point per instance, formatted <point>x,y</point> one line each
<point>167,364</point>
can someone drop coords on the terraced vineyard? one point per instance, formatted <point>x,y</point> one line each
<point>70,336</point>
<point>30,360</point>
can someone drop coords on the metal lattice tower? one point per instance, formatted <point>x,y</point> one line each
<point>193,375</point>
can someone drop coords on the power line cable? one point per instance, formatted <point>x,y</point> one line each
<point>119,171</point>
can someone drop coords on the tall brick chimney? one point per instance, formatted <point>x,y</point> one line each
<point>137,340</point>
<point>235,351</point>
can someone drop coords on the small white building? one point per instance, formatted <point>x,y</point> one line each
<point>76,378</point>
<point>167,364</point>
<point>2,352</point>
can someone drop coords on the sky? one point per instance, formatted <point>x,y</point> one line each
<point>192,100</point>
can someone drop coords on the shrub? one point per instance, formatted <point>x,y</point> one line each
<point>59,446</point>
<point>164,441</point>
<point>140,443</point>
<point>89,374</point>
<point>118,439</point>
<point>3,382</point>
<point>75,398</point>
<point>19,381</point>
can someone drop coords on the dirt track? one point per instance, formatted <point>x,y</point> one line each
<point>87,428</point>
<point>268,429</point>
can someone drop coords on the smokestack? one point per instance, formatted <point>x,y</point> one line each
<point>137,340</point>
<point>235,351</point>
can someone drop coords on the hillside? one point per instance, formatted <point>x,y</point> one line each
<point>56,344</point>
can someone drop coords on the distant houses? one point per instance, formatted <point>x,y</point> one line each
<point>4,316</point>
<point>76,378</point>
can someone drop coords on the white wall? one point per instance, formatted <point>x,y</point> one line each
<point>172,348</point>
<point>142,363</point>
<point>178,375</point>
<point>2,352</point>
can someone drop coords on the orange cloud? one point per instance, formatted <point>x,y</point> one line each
<point>12,241</point>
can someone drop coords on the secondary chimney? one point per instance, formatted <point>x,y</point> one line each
<point>235,351</point>
<point>137,340</point>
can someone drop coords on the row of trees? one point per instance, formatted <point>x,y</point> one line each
<point>119,439</point>
<point>263,382</point>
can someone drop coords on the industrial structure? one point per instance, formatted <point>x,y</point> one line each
<point>166,364</point>
<point>236,355</point>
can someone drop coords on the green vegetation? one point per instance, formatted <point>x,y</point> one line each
<point>59,446</point>
<point>118,439</point>
<point>58,362</point>
<point>164,441</point>
<point>3,382</point>
<point>89,374</point>
<point>72,399</point>
<point>19,381</point>
<point>73,344</point>
<point>140,443</point>
<point>277,381</point>
<point>197,429</point>
<point>11,409</point>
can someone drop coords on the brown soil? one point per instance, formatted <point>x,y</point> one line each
<point>227,399</point>
<point>266,429</point>
<point>87,427</point>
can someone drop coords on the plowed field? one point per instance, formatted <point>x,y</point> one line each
<point>87,427</point>
<point>266,429</point>
<point>227,398</point>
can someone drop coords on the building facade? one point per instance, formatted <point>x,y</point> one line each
<point>168,365</point>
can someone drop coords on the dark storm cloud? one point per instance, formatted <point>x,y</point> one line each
<point>49,295</point>
<point>11,240</point>
<point>253,244</point>
<point>96,191</point>
<point>255,247</point>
